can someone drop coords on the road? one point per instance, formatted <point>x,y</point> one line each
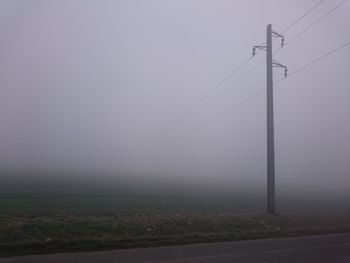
<point>332,248</point>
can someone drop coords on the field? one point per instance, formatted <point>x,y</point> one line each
<point>39,222</point>
<point>99,204</point>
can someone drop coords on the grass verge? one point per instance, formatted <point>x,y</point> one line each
<point>24,234</point>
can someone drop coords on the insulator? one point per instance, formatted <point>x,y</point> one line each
<point>253,51</point>
<point>282,42</point>
<point>285,72</point>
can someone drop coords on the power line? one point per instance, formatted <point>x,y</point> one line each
<point>199,101</point>
<point>312,24</point>
<point>304,15</point>
<point>236,106</point>
<point>232,108</point>
<point>294,72</point>
<point>235,81</point>
<point>206,95</point>
<point>316,21</point>
<point>314,61</point>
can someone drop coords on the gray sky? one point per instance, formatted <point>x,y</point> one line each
<point>93,86</point>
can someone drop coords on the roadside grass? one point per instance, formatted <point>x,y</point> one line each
<point>34,234</point>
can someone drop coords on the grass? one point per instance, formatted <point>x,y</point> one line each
<point>57,233</point>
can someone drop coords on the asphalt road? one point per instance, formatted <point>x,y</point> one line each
<point>327,248</point>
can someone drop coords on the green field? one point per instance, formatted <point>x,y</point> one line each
<point>98,204</point>
<point>121,204</point>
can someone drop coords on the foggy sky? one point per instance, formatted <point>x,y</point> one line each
<point>95,85</point>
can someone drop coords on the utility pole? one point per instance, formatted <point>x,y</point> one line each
<point>271,207</point>
<point>270,63</point>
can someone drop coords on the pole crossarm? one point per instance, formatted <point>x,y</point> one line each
<point>261,47</point>
<point>277,64</point>
<point>275,34</point>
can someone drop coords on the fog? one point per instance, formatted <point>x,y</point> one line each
<point>96,88</point>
